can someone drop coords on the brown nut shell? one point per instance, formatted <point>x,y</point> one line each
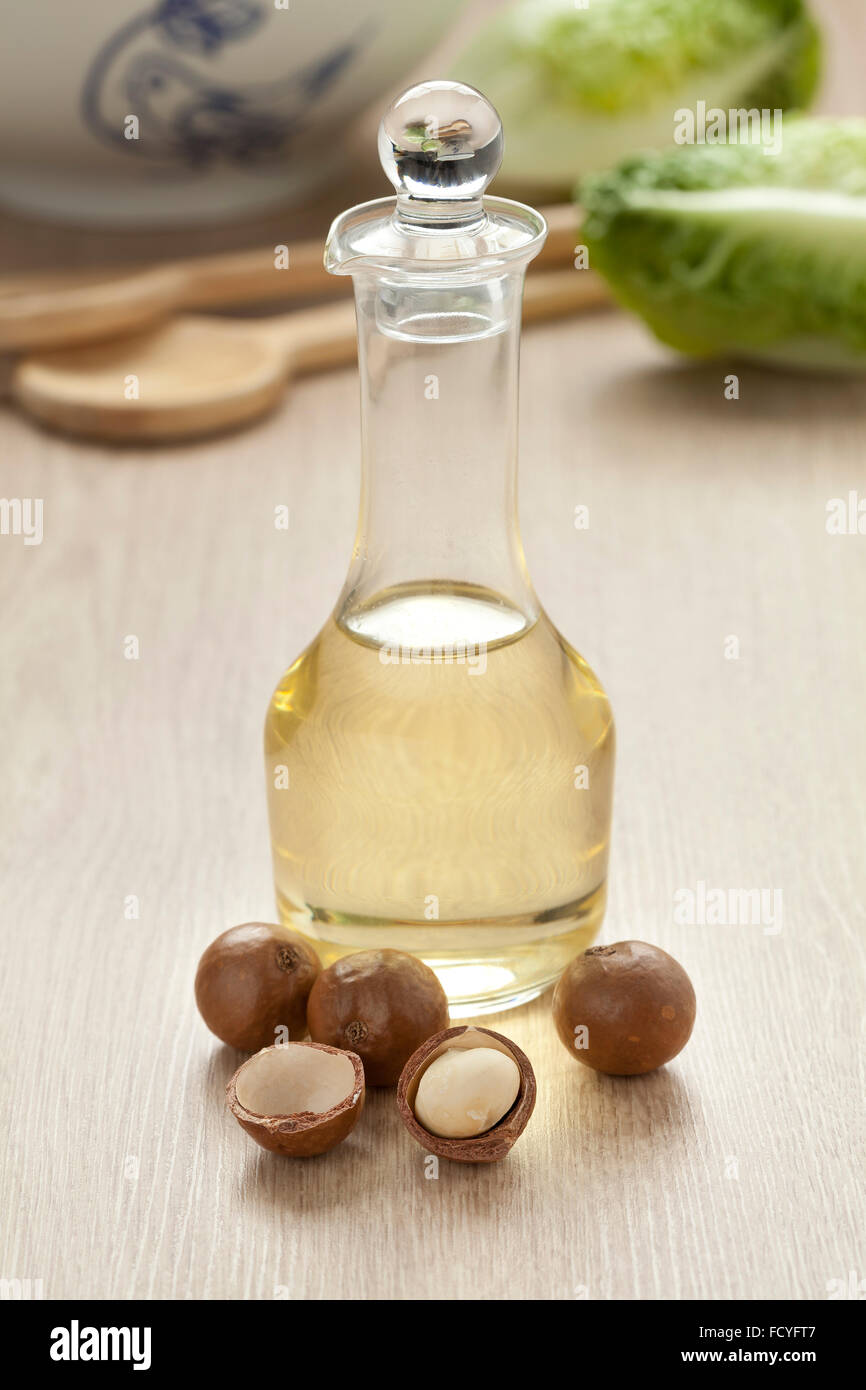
<point>382,1005</point>
<point>635,1002</point>
<point>283,1078</point>
<point>495,1143</point>
<point>254,979</point>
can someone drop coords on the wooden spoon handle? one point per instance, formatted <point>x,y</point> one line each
<point>213,281</point>
<point>247,276</point>
<point>563,224</point>
<point>315,339</point>
<point>53,308</point>
<point>551,294</point>
<point>239,277</point>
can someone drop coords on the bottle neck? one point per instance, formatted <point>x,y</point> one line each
<point>438,513</point>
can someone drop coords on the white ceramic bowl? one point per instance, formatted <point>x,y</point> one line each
<point>238,103</point>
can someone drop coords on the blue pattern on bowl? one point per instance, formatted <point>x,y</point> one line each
<point>154,67</point>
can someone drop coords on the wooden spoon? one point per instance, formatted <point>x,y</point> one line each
<point>53,308</point>
<point>56,308</point>
<point>197,375</point>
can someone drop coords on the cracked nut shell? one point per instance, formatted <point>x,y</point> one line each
<point>494,1143</point>
<point>382,1005</point>
<point>635,1002</point>
<point>299,1099</point>
<point>254,979</point>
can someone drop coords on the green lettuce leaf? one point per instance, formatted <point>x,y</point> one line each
<point>725,248</point>
<point>579,88</point>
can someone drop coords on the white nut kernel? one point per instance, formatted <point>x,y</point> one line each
<point>466,1091</point>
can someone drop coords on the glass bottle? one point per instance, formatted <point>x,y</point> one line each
<point>439,759</point>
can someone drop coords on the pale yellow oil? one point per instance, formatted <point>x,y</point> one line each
<point>455,805</point>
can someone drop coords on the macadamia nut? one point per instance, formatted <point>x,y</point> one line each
<point>466,1091</point>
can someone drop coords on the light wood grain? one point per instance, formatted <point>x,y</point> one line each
<point>707,518</point>
<point>738,1169</point>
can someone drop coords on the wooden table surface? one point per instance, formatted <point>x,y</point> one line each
<point>737,1170</point>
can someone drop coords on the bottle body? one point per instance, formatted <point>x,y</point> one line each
<point>439,760</point>
<point>440,780</point>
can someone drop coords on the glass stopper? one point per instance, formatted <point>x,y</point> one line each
<point>440,144</point>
